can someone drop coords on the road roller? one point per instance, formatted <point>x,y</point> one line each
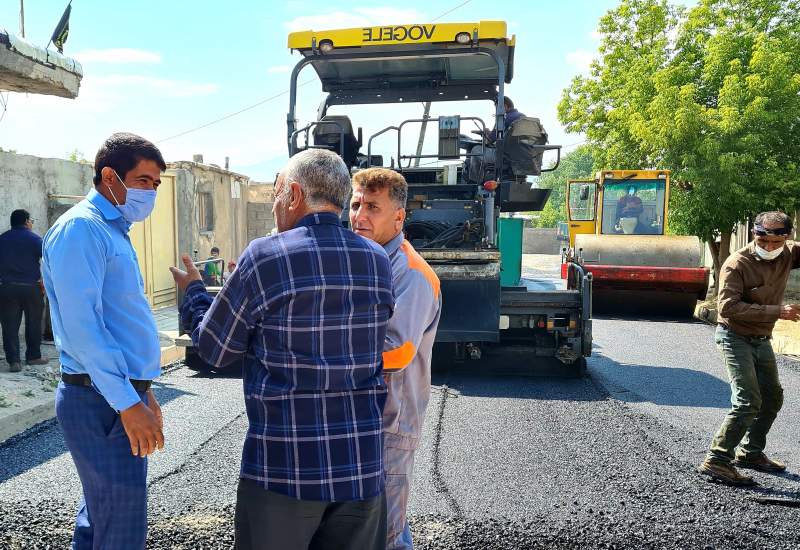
<point>618,232</point>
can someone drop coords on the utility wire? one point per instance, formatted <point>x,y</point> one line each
<point>451,10</point>
<point>240,111</point>
<point>263,101</point>
<point>573,144</point>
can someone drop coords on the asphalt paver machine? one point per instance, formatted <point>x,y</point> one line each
<point>457,214</point>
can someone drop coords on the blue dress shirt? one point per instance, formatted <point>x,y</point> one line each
<point>20,250</point>
<point>102,323</point>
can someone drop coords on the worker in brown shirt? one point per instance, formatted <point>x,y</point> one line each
<point>750,301</point>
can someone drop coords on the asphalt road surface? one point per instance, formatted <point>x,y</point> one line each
<point>514,457</point>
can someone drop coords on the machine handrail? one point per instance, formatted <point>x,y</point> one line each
<point>293,137</point>
<point>434,119</point>
<point>369,143</point>
<point>550,148</point>
<point>583,280</point>
<point>399,140</point>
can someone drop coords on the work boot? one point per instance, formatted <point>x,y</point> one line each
<point>761,463</point>
<point>39,361</point>
<point>724,472</point>
<point>15,367</point>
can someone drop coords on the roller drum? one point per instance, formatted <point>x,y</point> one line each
<point>624,284</point>
<point>640,250</point>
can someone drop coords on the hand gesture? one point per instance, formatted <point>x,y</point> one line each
<point>183,278</point>
<point>790,312</point>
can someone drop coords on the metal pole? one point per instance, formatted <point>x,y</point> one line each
<point>22,18</point>
<point>489,220</point>
<point>291,121</point>
<point>423,128</point>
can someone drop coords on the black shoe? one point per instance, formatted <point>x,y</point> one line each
<point>15,367</point>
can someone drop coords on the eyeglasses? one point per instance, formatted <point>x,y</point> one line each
<point>778,231</point>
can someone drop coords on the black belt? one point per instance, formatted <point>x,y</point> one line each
<point>757,338</point>
<point>85,380</point>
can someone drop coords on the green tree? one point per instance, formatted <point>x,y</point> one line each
<point>730,97</point>
<point>609,105</point>
<point>576,164</point>
<point>715,97</point>
<point>77,156</point>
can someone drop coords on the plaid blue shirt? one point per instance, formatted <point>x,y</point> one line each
<point>307,311</point>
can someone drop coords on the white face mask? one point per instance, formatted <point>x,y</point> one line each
<point>766,255</point>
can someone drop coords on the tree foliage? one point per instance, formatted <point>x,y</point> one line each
<point>77,156</point>
<point>711,93</point>
<point>576,164</point>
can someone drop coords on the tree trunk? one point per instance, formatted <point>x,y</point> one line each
<point>724,248</point>
<point>719,252</point>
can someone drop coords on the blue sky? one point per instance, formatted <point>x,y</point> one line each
<point>158,68</point>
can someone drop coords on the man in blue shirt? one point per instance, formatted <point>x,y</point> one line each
<point>305,312</point>
<point>21,291</point>
<point>512,115</point>
<point>108,343</point>
<point>476,166</point>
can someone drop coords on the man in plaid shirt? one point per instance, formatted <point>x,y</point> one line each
<point>306,312</point>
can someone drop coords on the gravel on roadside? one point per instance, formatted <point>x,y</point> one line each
<point>49,527</point>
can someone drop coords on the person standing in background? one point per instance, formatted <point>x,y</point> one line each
<point>21,291</point>
<point>212,273</point>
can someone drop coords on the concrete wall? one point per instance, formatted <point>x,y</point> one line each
<point>259,210</point>
<point>537,240</point>
<point>30,182</point>
<point>229,194</point>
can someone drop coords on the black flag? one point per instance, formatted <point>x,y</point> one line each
<point>62,30</point>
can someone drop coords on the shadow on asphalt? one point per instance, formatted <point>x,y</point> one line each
<point>648,318</point>
<point>234,370</point>
<point>681,387</point>
<point>519,387</point>
<point>44,442</point>
<point>222,373</point>
<point>515,373</point>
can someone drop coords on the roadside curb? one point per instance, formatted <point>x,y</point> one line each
<point>44,409</point>
<point>27,417</point>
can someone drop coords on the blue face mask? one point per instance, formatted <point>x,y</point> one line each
<point>139,203</point>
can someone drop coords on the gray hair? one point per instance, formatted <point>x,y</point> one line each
<point>323,176</point>
<point>774,218</point>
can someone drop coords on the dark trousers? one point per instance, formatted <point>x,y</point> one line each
<point>16,300</point>
<point>756,396</point>
<point>266,520</point>
<point>112,513</point>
